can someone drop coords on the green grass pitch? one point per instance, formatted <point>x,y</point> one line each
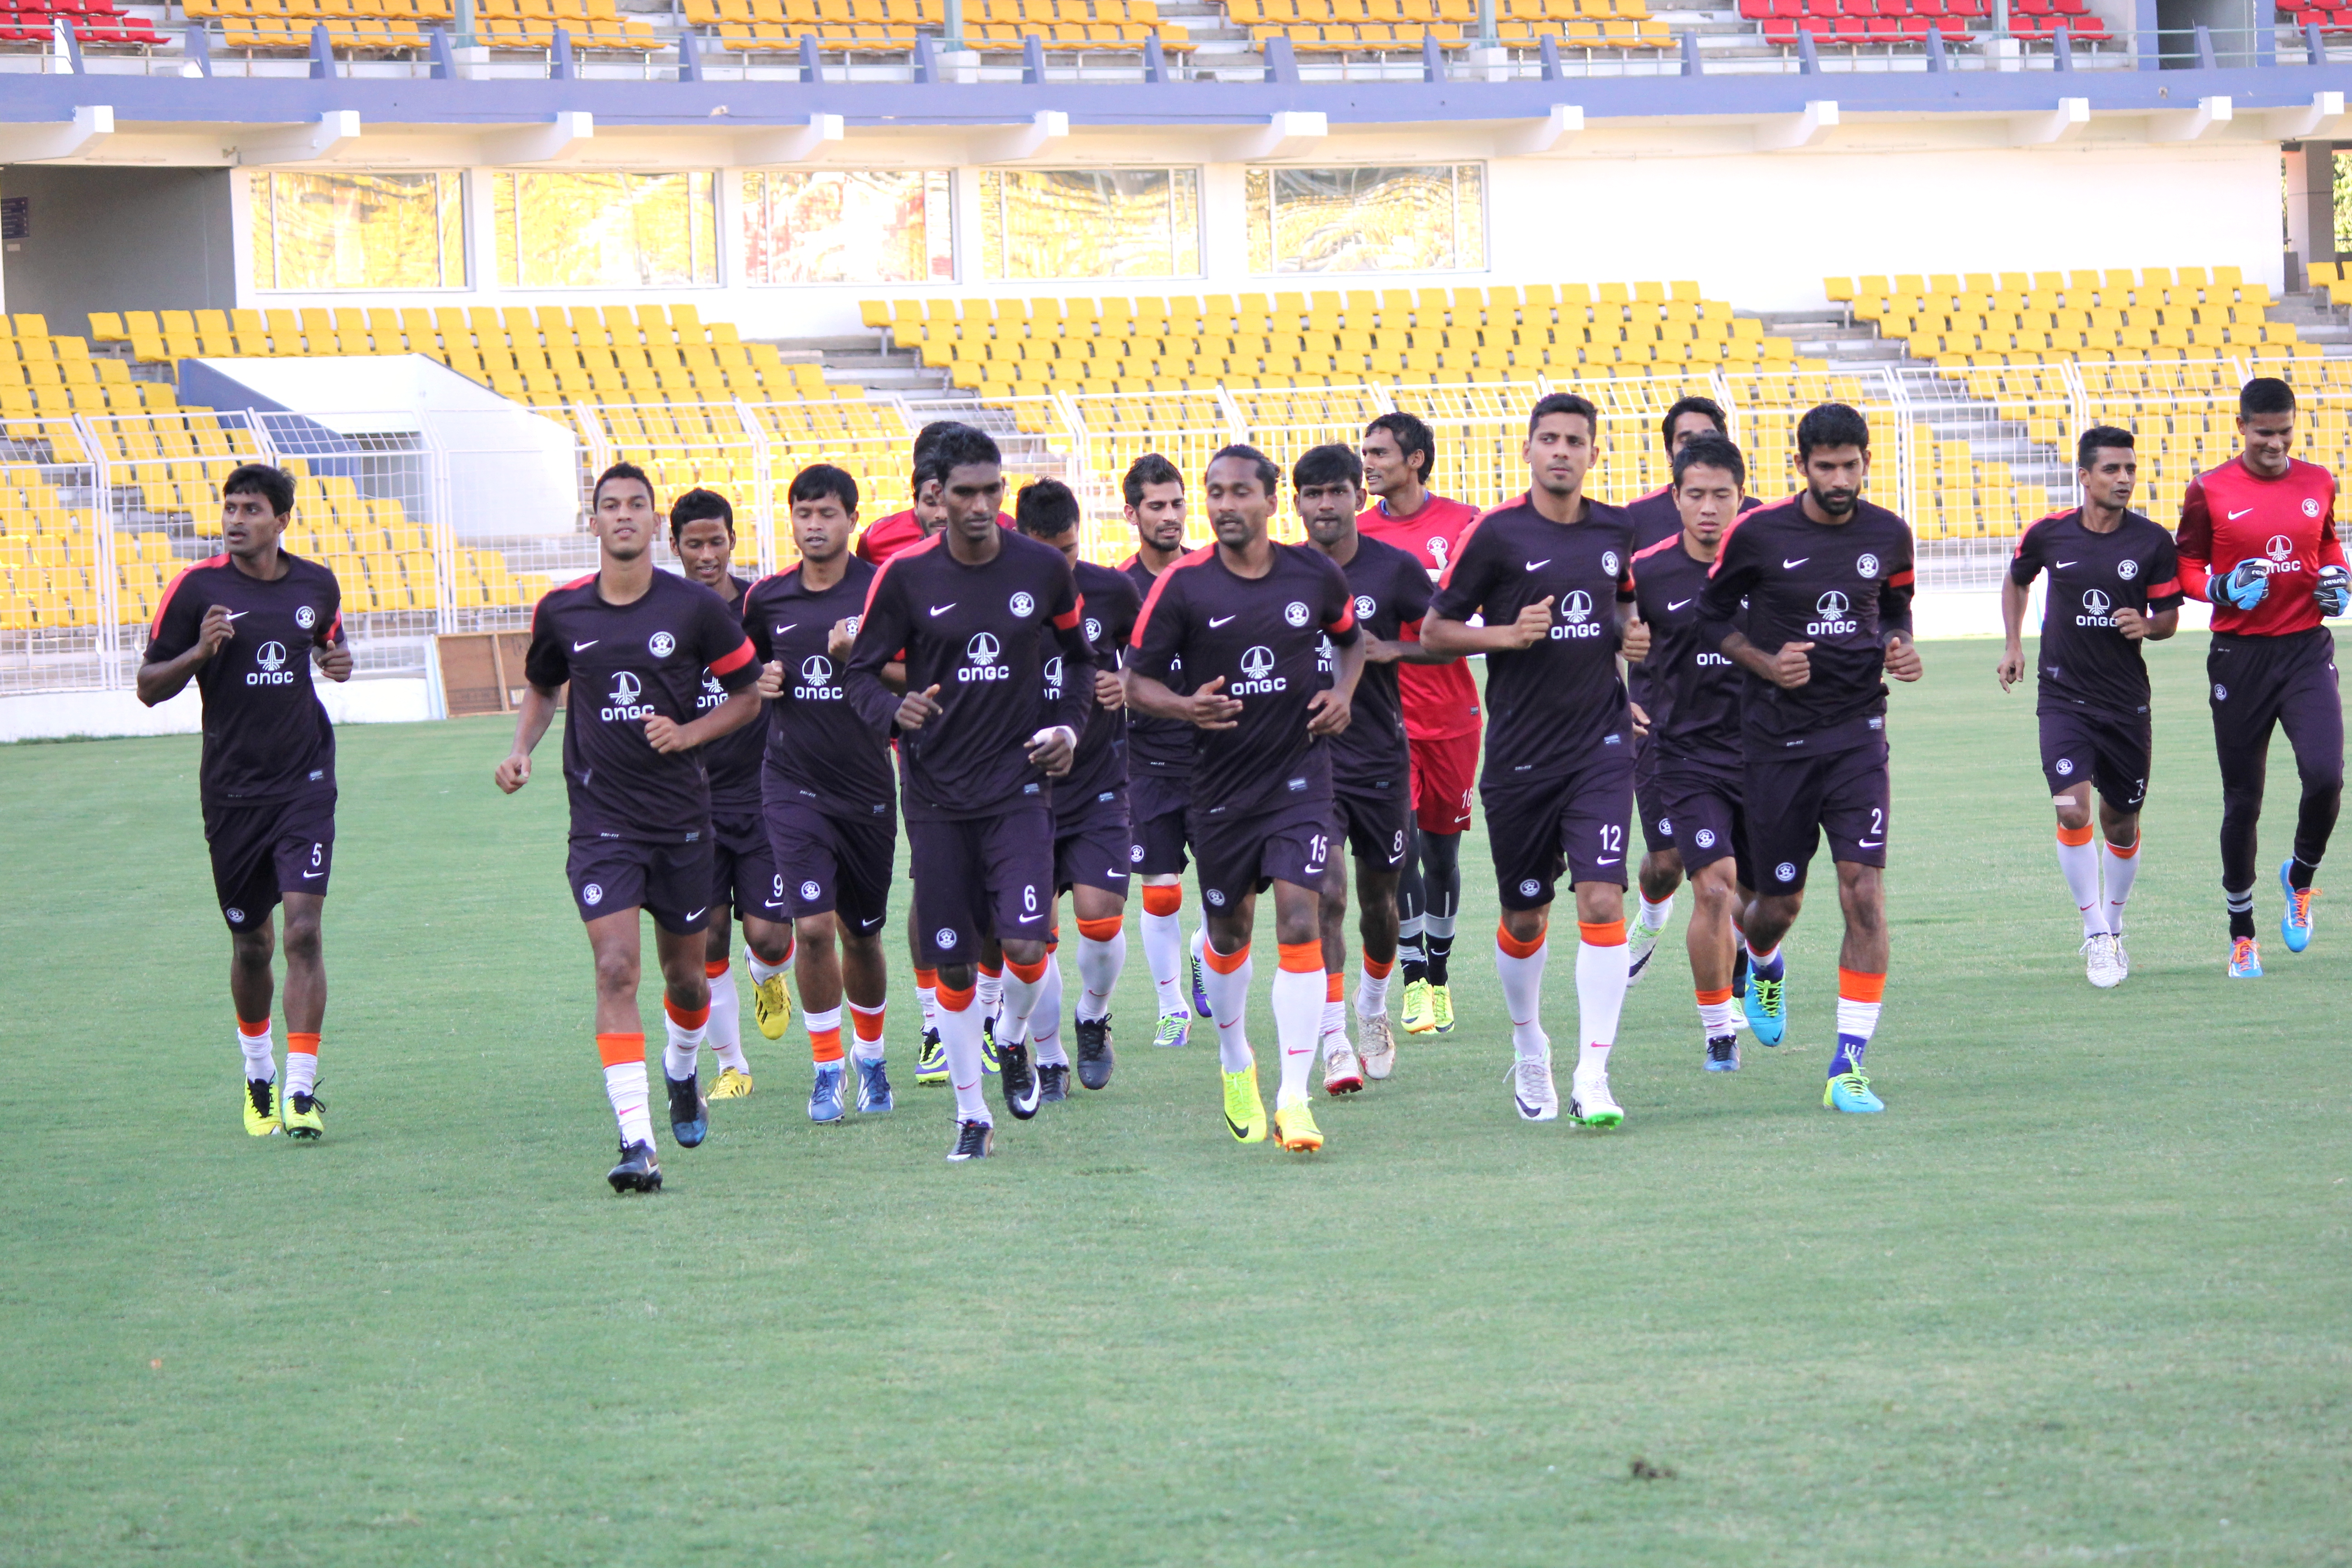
<point>2083,1293</point>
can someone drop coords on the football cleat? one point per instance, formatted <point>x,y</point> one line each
<point>1201,1008</point>
<point>1295,1129</point>
<point>1641,941</point>
<point>1534,1094</point>
<point>1589,1103</point>
<point>824,1096</point>
<point>874,1087</point>
<point>2123,958</point>
<point>1053,1082</point>
<point>689,1113</point>
<point>1019,1076</point>
<point>2100,964</point>
<point>931,1061</point>
<point>1245,1110</point>
<point>1850,1091</point>
<point>638,1171</point>
<point>772,1005</point>
<point>1419,1018</point>
<point>733,1083</point>
<point>1342,1072</point>
<point>1175,1031</point>
<point>260,1101</point>
<point>303,1120</point>
<point>1441,1008</point>
<point>1723,1054</point>
<point>992,1054</point>
<point>1375,1045</point>
<point>2295,926</point>
<point>2245,959</point>
<point>1094,1056</point>
<point>1767,1007</point>
<point>974,1140</point>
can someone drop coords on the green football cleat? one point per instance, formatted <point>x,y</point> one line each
<point>1850,1091</point>
<point>304,1118</point>
<point>260,1102</point>
<point>931,1061</point>
<point>1419,1018</point>
<point>1441,1008</point>
<point>1245,1109</point>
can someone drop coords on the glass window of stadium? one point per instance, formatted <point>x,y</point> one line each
<point>313,232</point>
<point>848,226</point>
<point>1089,223</point>
<point>607,230</point>
<point>1431,218</point>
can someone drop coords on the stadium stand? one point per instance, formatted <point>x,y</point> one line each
<point>43,373</point>
<point>401,24</point>
<point>1910,21</point>
<point>93,22</point>
<point>755,26</point>
<point>1961,320</point>
<point>1336,26</point>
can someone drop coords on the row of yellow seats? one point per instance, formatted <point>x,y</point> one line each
<point>38,346</point>
<point>2068,340</point>
<point>2268,360</point>
<point>110,397</point>
<point>1879,306</point>
<point>942,350</point>
<point>2100,317</point>
<point>2117,280</point>
<point>286,332</point>
<point>63,371</point>
<point>838,14</point>
<point>415,12</point>
<point>1428,307</point>
<point>741,37</point>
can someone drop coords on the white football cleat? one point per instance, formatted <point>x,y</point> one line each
<point>1589,1099</point>
<point>1532,1090</point>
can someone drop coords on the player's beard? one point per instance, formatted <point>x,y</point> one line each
<point>1838,504</point>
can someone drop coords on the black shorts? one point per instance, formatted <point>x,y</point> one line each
<point>261,853</point>
<point>669,881</point>
<point>742,867</point>
<point>1156,804</point>
<point>1794,801</point>
<point>1574,823</point>
<point>1092,845</point>
<point>978,876</point>
<point>2110,750</point>
<point>2259,684</point>
<point>1649,802</point>
<point>828,863</point>
<point>1289,841</point>
<point>1375,820</point>
<point>1706,815</point>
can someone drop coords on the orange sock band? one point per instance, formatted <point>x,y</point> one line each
<point>1602,933</point>
<point>1165,899</point>
<point>712,968</point>
<point>926,979</point>
<point>1227,963</point>
<point>2073,838</point>
<point>867,1022</point>
<point>953,1000</point>
<point>301,1044</point>
<point>824,1045</point>
<point>1515,947</point>
<point>993,971</point>
<point>1715,998</point>
<point>1332,988</point>
<point>1301,957</point>
<point>1853,985</point>
<point>1100,930</point>
<point>246,1027</point>
<point>685,1019</point>
<point>2123,851</point>
<point>1027,973</point>
<point>1378,968</point>
<point>618,1050</point>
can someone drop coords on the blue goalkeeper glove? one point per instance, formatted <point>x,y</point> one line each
<point>2244,586</point>
<point>2335,591</point>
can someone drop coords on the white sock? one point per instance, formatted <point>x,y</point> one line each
<point>1719,1018</point>
<point>761,972</point>
<point>2119,869</point>
<point>1045,1017</point>
<point>1163,950</point>
<point>302,1071</point>
<point>624,1085</point>
<point>1297,1014</point>
<point>1335,1018</point>
<point>928,998</point>
<point>684,1045</point>
<point>2081,864</point>
<point>867,1028</point>
<point>1100,964</point>
<point>725,1030</point>
<point>1523,995</point>
<point>1655,916</point>
<point>1859,1019</point>
<point>1372,993</point>
<point>1019,1000</point>
<point>260,1055</point>
<point>1600,997</point>
<point>960,1033</point>
<point>988,994</point>
<point>1229,1007</point>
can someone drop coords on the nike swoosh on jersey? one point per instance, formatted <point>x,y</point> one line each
<point>2060,565</point>
<point>235,614</point>
<point>944,609</point>
<point>2239,512</point>
<point>1678,604</point>
<point>1787,565</point>
<point>787,627</point>
<point>1216,621</point>
<point>592,642</point>
<point>1539,565</point>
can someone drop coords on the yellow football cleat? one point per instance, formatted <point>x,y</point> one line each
<point>303,1116</point>
<point>1419,1018</point>
<point>1295,1129</point>
<point>1245,1110</point>
<point>731,1085</point>
<point>1441,1008</point>
<point>772,1005</point>
<point>260,1101</point>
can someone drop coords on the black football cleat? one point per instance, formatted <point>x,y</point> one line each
<point>1053,1082</point>
<point>1094,1058</point>
<point>638,1171</point>
<point>1019,1078</point>
<point>689,1113</point>
<point>974,1140</point>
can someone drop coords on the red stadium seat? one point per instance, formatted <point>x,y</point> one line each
<point>1884,30</point>
<point>2023,25</point>
<point>1894,8</point>
<point>1755,10</point>
<point>1860,10</point>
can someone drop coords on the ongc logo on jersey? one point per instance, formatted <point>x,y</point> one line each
<point>1052,673</point>
<point>622,703</point>
<point>1259,679</point>
<point>982,652</point>
<point>271,658</point>
<point>816,680</point>
<point>1576,619</point>
<point>713,694</point>
<point>2280,549</point>
<point>2098,610</point>
<point>1835,612</point>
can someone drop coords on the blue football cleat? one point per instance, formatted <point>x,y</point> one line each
<point>825,1098</point>
<point>1850,1091</point>
<point>2295,926</point>
<point>689,1113</point>
<point>1723,1054</point>
<point>1765,1006</point>
<point>874,1087</point>
<point>2245,961</point>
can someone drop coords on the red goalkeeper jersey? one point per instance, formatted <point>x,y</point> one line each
<point>2232,514</point>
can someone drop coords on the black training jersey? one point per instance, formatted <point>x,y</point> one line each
<point>266,737</point>
<point>1655,519</point>
<point>1551,706</point>
<point>820,750</point>
<point>1264,636</point>
<point>982,634</point>
<point>1111,604</point>
<point>1161,746</point>
<point>1843,588</point>
<point>1392,591</point>
<point>628,663</point>
<point>1694,687</point>
<point>732,760</point>
<point>2084,660</point>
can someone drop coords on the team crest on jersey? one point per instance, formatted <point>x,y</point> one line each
<point>1295,613</point>
<point>1436,546</point>
<point>1135,853</point>
<point>306,618</point>
<point>1665,828</point>
<point>1021,604</point>
<point>2311,506</point>
<point>849,623</point>
<point>2127,569</point>
<point>661,644</point>
<point>1703,838</point>
<point>2221,694</point>
<point>1785,871</point>
<point>1364,607</point>
<point>1093,630</point>
<point>1609,562</point>
<point>591,895</point>
<point>1867,564</point>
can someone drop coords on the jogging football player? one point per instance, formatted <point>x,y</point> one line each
<point>2258,541</point>
<point>1441,718</point>
<point>1694,690</point>
<point>1244,620</point>
<point>244,626</point>
<point>635,645</point>
<point>1092,844</point>
<point>1160,762</point>
<point>827,802</point>
<point>1827,579</point>
<point>1372,789</point>
<point>2115,583</point>
<point>977,612</point>
<point>1549,573</point>
<point>702,533</point>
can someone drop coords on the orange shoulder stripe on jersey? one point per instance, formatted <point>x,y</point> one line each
<point>1901,580</point>
<point>1462,540</point>
<point>2169,586</point>
<point>1737,519</point>
<point>2024,532</point>
<point>727,664</point>
<point>1347,621</point>
<point>1160,585</point>
<point>577,582</point>
<point>918,548</point>
<point>1671,539</point>
<point>1069,618</point>
<point>155,626</point>
<point>334,631</point>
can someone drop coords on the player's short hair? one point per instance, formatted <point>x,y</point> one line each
<point>1150,469</point>
<point>274,484</point>
<point>962,446</point>
<point>1711,452</point>
<point>1046,509</point>
<point>1410,435</point>
<point>1327,464</point>
<point>921,459</point>
<point>618,471</point>
<point>1830,425</point>
<point>819,480</point>
<point>699,505</point>
<point>1268,476</point>
<point>2087,446</point>
<point>2265,394</point>
<point>1563,403</point>
<point>1706,406</point>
